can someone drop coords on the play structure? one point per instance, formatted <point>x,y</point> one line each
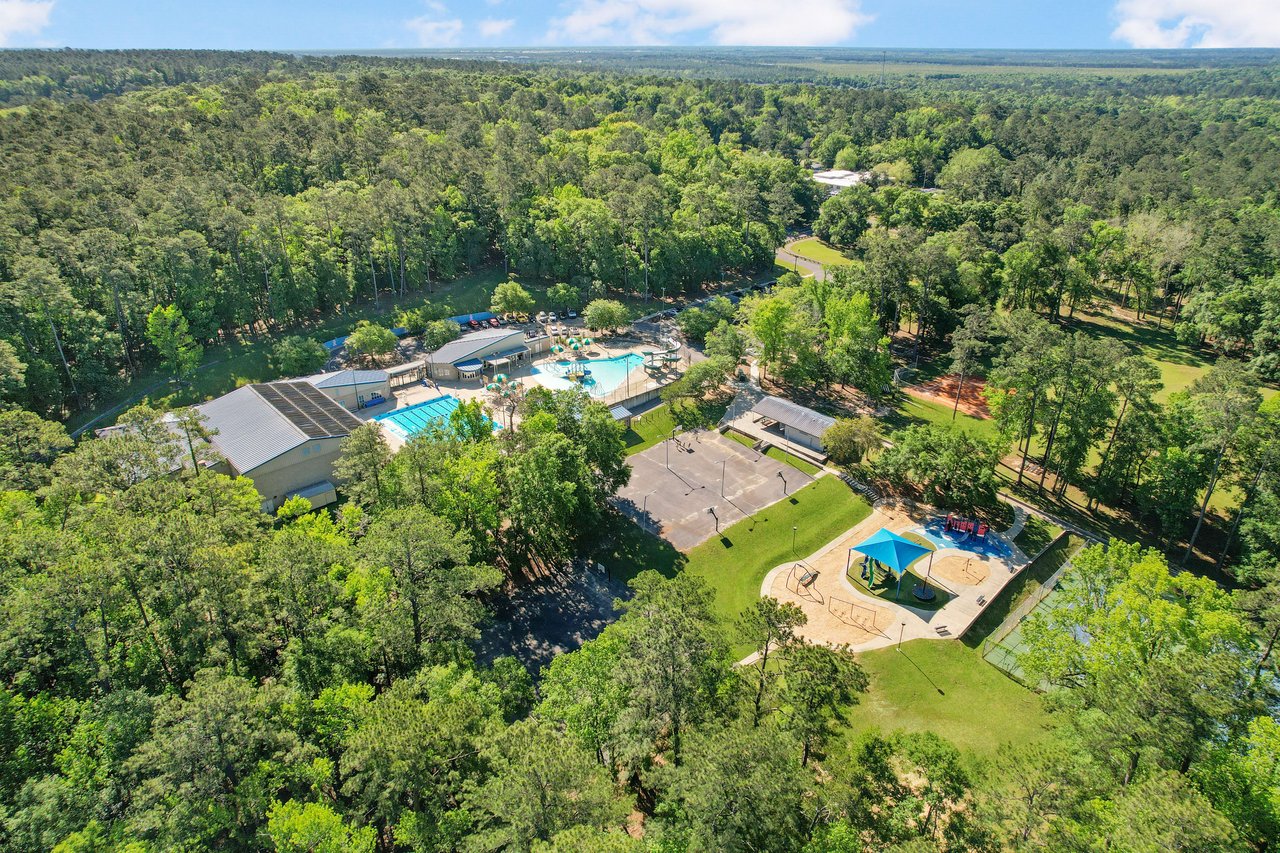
<point>660,359</point>
<point>965,527</point>
<point>889,551</point>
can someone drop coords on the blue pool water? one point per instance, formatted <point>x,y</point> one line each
<point>989,546</point>
<point>606,373</point>
<point>411,420</point>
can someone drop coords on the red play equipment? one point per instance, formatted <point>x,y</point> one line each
<point>968,526</point>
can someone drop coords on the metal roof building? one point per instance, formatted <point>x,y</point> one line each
<point>282,435</point>
<point>354,389</point>
<point>471,351</point>
<point>346,378</point>
<point>802,425</point>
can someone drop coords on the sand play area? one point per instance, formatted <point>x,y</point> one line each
<point>840,613</point>
<point>961,569</point>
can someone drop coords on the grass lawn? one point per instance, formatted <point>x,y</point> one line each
<point>816,250</point>
<point>1022,586</point>
<point>648,428</point>
<point>652,426</point>
<point>626,550</point>
<point>1179,364</point>
<point>944,687</point>
<point>735,563</point>
<point>912,410</point>
<point>1036,534</point>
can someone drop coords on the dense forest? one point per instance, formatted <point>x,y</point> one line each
<point>179,672</point>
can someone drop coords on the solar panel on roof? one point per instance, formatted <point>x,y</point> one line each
<point>308,408</point>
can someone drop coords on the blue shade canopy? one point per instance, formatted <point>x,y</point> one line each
<point>891,549</point>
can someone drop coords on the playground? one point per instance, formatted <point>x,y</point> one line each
<point>884,580</point>
<point>942,390</point>
<point>692,486</point>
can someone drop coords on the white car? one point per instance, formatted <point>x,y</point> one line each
<point>552,317</point>
<point>542,316</point>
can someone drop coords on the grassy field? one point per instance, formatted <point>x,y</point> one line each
<point>816,250</point>
<point>1036,534</point>
<point>735,563</point>
<point>648,428</point>
<point>654,425</point>
<point>944,687</point>
<point>912,410</point>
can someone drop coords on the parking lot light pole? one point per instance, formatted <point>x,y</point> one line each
<point>723,462</point>
<point>793,540</point>
<point>784,483</point>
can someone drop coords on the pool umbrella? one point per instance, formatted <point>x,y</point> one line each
<point>571,341</point>
<point>586,342</point>
<point>500,377</point>
<point>575,346</point>
<point>891,549</point>
<point>557,348</point>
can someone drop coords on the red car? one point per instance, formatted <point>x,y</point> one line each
<point>475,324</point>
<point>493,321</point>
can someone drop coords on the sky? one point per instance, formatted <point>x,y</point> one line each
<point>353,24</point>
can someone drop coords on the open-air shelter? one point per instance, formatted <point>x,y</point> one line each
<point>889,549</point>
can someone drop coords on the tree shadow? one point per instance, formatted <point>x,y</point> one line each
<point>625,550</point>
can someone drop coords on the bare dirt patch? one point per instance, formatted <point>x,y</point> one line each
<point>942,390</point>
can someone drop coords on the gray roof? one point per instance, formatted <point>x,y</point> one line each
<point>347,378</point>
<point>469,344</point>
<point>793,415</point>
<point>257,423</point>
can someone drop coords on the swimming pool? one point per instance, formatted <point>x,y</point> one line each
<point>606,373</point>
<point>989,546</point>
<point>411,420</point>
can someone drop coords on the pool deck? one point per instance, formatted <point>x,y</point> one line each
<point>841,613</point>
<point>637,382</point>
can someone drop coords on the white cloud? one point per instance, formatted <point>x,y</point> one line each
<point>23,17</point>
<point>435,33</point>
<point>769,22</point>
<point>1198,23</point>
<point>494,27</point>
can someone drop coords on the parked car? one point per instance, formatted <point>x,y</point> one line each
<point>552,317</point>
<point>473,323</point>
<point>522,318</point>
<point>572,315</point>
<point>493,321</point>
<point>542,316</point>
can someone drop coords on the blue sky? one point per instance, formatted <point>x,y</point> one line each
<point>328,24</point>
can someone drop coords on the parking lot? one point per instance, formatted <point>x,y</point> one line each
<point>676,486</point>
